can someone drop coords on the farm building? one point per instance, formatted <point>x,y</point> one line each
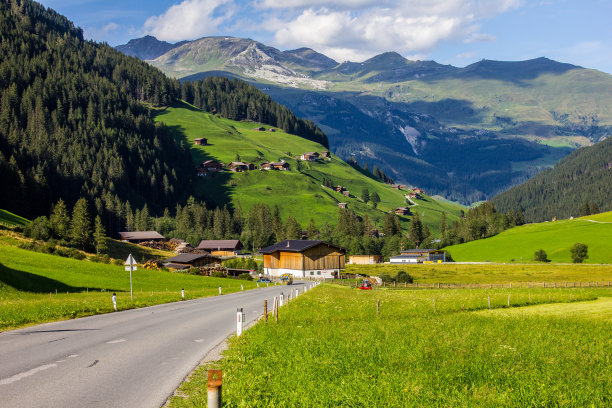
<point>346,193</point>
<point>186,261</point>
<point>365,259</point>
<point>211,165</point>
<point>325,154</point>
<point>260,129</point>
<point>419,256</point>
<point>201,141</point>
<point>310,156</point>
<point>304,259</point>
<point>402,211</point>
<point>238,166</point>
<point>221,247</point>
<point>136,237</point>
<point>342,205</point>
<point>271,130</point>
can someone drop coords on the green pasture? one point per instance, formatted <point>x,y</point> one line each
<point>556,238</point>
<point>331,349</point>
<point>37,287</point>
<point>297,192</point>
<point>449,273</point>
<point>11,220</point>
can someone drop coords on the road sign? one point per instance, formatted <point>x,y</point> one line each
<point>130,260</point>
<point>130,265</point>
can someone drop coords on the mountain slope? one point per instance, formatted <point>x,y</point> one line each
<point>414,118</point>
<point>584,175</point>
<point>556,238</point>
<point>147,47</point>
<point>297,192</point>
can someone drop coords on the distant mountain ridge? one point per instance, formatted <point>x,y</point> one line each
<point>464,133</point>
<point>147,47</point>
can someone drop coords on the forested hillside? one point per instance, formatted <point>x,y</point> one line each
<point>73,123</point>
<point>585,176</point>
<point>237,100</point>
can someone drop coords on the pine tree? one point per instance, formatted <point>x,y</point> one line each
<point>415,231</point>
<point>80,227</point>
<point>586,210</point>
<point>365,195</point>
<point>293,229</point>
<point>443,228</point>
<point>277,225</point>
<point>100,236</point>
<point>375,199</point>
<point>60,220</point>
<point>312,232</point>
<point>594,208</point>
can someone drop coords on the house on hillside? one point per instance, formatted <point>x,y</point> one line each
<point>365,259</point>
<point>186,261</point>
<point>202,141</point>
<point>413,194</point>
<point>346,193</point>
<point>136,237</point>
<point>325,154</point>
<point>310,156</point>
<point>304,259</point>
<point>339,189</point>
<point>211,166</point>
<point>237,167</point>
<point>419,256</point>
<point>221,247</point>
<point>419,190</point>
<point>342,205</point>
<point>260,129</point>
<point>271,130</point>
<point>266,166</point>
<point>402,211</point>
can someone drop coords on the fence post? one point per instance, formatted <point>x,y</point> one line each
<point>529,297</point>
<point>378,307</point>
<point>275,309</point>
<point>265,310</point>
<point>489,301</point>
<point>434,301</point>
<point>215,381</point>
<point>508,300</point>
<point>239,321</point>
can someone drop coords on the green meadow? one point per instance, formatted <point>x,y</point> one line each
<point>37,287</point>
<point>556,238</point>
<point>297,192</point>
<point>9,219</point>
<point>331,349</point>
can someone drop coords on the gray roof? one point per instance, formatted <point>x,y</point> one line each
<point>142,235</point>
<point>220,244</point>
<point>177,266</point>
<point>187,258</point>
<point>418,251</point>
<point>295,245</point>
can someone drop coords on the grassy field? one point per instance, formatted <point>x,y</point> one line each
<point>330,349</point>
<point>556,238</point>
<point>297,193</point>
<point>37,288</point>
<point>490,273</point>
<point>11,220</point>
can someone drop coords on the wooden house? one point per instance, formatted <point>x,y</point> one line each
<point>419,256</point>
<point>136,237</point>
<point>310,156</point>
<point>325,154</point>
<point>365,259</point>
<point>260,129</point>
<point>201,141</point>
<point>419,191</point>
<point>280,165</point>
<point>304,259</point>
<point>402,211</point>
<point>342,205</point>
<point>271,130</point>
<point>211,165</point>
<point>339,189</point>
<point>266,166</point>
<point>413,194</point>
<point>186,261</point>
<point>346,193</point>
<point>237,167</point>
<point>221,247</point>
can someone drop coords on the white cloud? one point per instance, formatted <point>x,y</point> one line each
<point>188,20</point>
<point>99,34</point>
<point>359,29</point>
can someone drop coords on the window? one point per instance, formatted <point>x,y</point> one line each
<point>318,272</point>
<point>312,272</point>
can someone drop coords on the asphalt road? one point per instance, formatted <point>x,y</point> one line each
<point>132,358</point>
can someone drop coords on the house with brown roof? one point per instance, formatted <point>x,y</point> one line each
<point>186,261</point>
<point>310,156</point>
<point>221,247</point>
<point>325,154</point>
<point>346,193</point>
<point>365,259</point>
<point>260,129</point>
<point>342,205</point>
<point>238,167</point>
<point>304,259</point>
<point>402,211</point>
<point>271,130</point>
<point>280,165</point>
<point>201,141</point>
<point>136,237</point>
<point>266,166</point>
<point>211,165</point>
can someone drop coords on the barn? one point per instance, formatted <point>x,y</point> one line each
<point>419,256</point>
<point>186,261</point>
<point>304,259</point>
<point>221,247</point>
<point>136,237</point>
<point>365,259</point>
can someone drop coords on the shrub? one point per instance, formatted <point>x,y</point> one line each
<point>48,248</point>
<point>39,229</point>
<point>579,252</point>
<point>386,277</point>
<point>218,274</point>
<point>403,276</point>
<point>540,256</point>
<point>75,254</point>
<point>194,271</point>
<point>245,276</point>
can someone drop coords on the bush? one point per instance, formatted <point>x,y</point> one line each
<point>39,229</point>
<point>245,276</point>
<point>579,252</point>
<point>48,248</point>
<point>403,276</point>
<point>540,256</point>
<point>218,274</point>
<point>194,271</point>
<point>75,254</point>
<point>386,277</point>
<point>100,258</point>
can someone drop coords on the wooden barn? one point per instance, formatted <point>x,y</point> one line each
<point>419,256</point>
<point>304,259</point>
<point>202,141</point>
<point>365,259</point>
<point>136,237</point>
<point>221,247</point>
<point>186,261</point>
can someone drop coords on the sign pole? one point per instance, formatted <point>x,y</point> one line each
<point>130,265</point>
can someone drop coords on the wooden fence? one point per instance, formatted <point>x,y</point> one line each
<point>508,285</point>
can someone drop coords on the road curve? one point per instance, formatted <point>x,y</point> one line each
<point>132,358</point>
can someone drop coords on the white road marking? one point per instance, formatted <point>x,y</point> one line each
<point>25,374</point>
<point>60,361</point>
<point>116,341</point>
<point>199,340</point>
<point>73,356</point>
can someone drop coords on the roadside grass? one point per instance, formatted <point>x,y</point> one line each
<point>556,238</point>
<point>491,273</point>
<point>331,349</point>
<point>297,193</point>
<point>29,281</point>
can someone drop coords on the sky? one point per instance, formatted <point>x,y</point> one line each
<point>457,32</point>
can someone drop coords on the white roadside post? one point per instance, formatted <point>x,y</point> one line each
<point>183,293</point>
<point>282,297</point>
<point>239,321</point>
<point>114,299</point>
<point>130,265</point>
<point>219,289</point>
<point>241,287</point>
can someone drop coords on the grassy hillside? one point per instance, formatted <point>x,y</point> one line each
<point>556,238</point>
<point>11,220</point>
<point>297,192</point>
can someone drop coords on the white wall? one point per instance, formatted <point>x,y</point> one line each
<point>299,274</point>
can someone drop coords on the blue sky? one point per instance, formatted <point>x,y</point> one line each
<point>456,32</point>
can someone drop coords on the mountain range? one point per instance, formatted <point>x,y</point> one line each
<point>417,120</point>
